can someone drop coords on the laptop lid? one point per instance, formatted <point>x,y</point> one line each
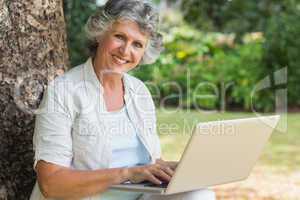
<point>221,152</point>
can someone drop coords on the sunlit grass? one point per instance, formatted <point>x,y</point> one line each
<point>175,127</point>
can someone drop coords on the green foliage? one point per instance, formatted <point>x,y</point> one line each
<point>282,49</point>
<point>238,16</point>
<point>204,65</point>
<point>76,15</point>
<point>278,20</point>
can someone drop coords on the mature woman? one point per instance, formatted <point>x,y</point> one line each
<point>96,125</point>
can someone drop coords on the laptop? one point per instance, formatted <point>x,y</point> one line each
<point>218,152</point>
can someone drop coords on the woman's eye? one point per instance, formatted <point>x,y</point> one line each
<point>119,37</point>
<point>138,45</point>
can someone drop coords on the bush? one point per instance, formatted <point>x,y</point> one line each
<point>212,61</point>
<point>277,20</point>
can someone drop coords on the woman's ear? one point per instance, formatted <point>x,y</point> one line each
<point>98,39</point>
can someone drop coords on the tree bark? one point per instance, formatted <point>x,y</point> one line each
<point>33,50</point>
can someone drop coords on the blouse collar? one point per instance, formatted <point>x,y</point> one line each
<point>91,76</point>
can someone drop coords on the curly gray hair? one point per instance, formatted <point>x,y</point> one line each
<point>140,11</point>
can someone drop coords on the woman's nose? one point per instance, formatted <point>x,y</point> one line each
<point>124,49</point>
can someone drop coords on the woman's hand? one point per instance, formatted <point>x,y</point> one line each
<point>171,164</point>
<point>155,173</point>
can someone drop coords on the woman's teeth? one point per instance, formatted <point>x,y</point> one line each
<point>120,60</point>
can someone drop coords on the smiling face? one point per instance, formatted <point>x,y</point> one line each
<point>121,47</point>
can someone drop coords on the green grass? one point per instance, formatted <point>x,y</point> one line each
<point>282,151</point>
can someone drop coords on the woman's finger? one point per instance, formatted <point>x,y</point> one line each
<point>165,167</point>
<point>172,164</point>
<point>150,177</point>
<point>168,170</point>
<point>160,173</point>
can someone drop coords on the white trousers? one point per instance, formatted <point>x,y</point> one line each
<point>203,194</point>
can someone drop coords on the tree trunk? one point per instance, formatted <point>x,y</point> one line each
<point>33,51</point>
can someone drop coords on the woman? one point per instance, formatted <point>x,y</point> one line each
<point>97,126</point>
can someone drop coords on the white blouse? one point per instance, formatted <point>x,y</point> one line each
<point>68,128</point>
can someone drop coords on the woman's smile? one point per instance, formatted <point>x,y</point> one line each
<point>118,60</point>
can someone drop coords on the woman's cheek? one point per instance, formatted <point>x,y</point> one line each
<point>111,44</point>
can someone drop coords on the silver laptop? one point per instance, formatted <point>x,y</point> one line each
<point>218,152</point>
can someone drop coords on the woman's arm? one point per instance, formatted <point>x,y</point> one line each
<point>61,182</point>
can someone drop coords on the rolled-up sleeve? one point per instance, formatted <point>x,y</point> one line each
<point>52,140</point>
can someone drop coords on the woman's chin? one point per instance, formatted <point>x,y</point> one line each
<point>120,68</point>
<point>114,70</point>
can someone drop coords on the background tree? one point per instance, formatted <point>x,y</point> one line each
<point>32,51</point>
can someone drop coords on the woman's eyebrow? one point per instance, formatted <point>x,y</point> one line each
<point>119,32</point>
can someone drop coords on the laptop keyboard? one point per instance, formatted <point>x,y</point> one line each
<point>150,184</point>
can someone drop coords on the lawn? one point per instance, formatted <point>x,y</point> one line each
<point>277,167</point>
